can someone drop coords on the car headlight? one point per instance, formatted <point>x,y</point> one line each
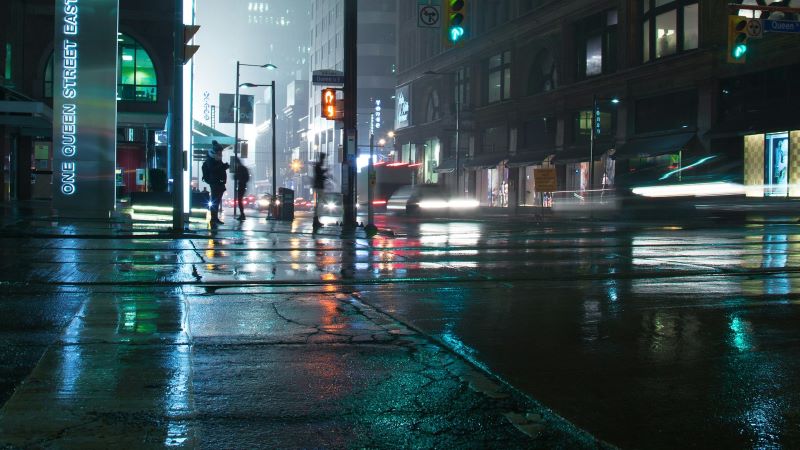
<point>330,205</point>
<point>433,204</point>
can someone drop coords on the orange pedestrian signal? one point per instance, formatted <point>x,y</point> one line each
<point>329,104</point>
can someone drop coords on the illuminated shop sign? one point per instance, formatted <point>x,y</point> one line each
<point>402,107</point>
<point>84,106</point>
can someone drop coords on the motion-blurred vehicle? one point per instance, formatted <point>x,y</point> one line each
<point>263,202</point>
<point>249,201</point>
<point>301,204</point>
<point>427,199</point>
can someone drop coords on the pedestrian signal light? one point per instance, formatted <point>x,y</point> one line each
<point>456,17</point>
<point>737,39</point>
<point>329,103</point>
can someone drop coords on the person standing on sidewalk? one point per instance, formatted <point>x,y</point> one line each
<point>215,174</point>
<point>242,176</point>
<point>320,176</point>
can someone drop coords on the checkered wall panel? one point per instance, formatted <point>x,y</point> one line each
<point>754,165</point>
<point>794,163</point>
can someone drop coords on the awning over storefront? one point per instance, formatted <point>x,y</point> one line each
<point>446,166</point>
<point>529,158</point>
<point>580,153</point>
<point>33,118</point>
<point>647,147</point>
<point>485,161</point>
<point>144,120</point>
<point>202,135</point>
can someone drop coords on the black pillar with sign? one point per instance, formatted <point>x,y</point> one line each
<point>350,105</point>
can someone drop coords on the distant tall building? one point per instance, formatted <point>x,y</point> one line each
<point>377,49</point>
<point>270,31</point>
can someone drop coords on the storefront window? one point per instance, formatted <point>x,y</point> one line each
<point>669,27</point>
<point>776,165</point>
<point>430,161</point>
<point>136,74</point>
<point>492,187</point>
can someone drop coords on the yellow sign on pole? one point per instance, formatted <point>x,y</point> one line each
<point>544,180</point>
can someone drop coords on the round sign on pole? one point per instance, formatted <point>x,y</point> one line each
<point>428,16</point>
<point>755,30</point>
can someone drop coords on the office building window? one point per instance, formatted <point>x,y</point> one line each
<point>461,86</point>
<point>669,27</point>
<point>543,75</point>
<point>499,79</point>
<point>598,51</point>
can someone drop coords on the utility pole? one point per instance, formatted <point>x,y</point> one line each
<point>274,165</point>
<point>371,229</point>
<point>350,115</point>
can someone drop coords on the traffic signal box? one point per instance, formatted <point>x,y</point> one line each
<point>737,39</point>
<point>456,22</point>
<point>189,50</point>
<point>330,107</point>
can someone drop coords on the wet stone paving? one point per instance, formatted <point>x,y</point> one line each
<point>155,345</point>
<point>491,333</point>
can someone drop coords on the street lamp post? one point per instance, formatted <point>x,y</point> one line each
<point>236,126</point>
<point>594,129</point>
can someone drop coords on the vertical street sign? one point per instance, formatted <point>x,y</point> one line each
<point>85,107</point>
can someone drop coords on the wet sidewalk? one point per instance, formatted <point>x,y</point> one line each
<point>187,343</point>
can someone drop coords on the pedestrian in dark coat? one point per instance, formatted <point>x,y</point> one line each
<point>242,176</point>
<point>215,174</point>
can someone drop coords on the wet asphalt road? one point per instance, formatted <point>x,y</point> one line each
<point>681,334</point>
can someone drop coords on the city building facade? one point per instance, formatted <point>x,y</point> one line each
<point>377,47</point>
<point>144,85</point>
<point>519,92</point>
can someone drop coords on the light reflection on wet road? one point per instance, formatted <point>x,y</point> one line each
<point>647,336</point>
<point>656,337</point>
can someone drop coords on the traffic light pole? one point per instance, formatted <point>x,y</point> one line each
<point>350,118</point>
<point>236,142</point>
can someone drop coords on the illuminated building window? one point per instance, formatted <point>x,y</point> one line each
<point>669,27</point>
<point>136,74</point>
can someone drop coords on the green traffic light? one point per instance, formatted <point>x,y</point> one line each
<point>456,33</point>
<point>739,50</point>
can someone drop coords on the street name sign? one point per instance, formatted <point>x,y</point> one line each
<point>780,26</point>
<point>327,77</point>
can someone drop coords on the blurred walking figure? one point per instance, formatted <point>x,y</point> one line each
<point>242,176</point>
<point>215,174</point>
<point>320,176</point>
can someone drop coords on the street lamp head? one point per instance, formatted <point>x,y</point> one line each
<point>390,134</point>
<point>254,85</point>
<point>615,100</point>
<point>269,66</point>
<point>382,142</point>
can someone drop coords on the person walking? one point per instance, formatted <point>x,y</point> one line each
<point>215,174</point>
<point>242,176</point>
<point>320,176</point>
